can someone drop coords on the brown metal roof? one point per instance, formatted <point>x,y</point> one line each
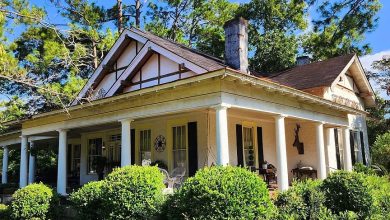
<point>316,74</point>
<point>205,61</point>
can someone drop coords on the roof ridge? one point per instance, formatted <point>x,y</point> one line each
<point>201,53</point>
<point>312,63</point>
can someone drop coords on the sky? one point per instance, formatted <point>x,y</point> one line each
<point>379,39</point>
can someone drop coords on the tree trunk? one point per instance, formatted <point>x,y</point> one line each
<point>95,57</point>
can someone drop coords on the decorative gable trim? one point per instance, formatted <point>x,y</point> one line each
<point>143,54</point>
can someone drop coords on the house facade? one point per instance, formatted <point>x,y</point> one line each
<point>152,99</point>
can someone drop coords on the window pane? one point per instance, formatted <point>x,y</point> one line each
<point>145,145</point>
<point>95,150</point>
<point>249,152</point>
<point>179,147</point>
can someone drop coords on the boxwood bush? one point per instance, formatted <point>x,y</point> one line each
<point>380,191</point>
<point>89,201</point>
<point>4,212</point>
<point>35,201</point>
<point>303,200</point>
<point>134,192</point>
<point>221,193</point>
<point>347,191</point>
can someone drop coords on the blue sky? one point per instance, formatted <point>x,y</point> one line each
<point>378,39</point>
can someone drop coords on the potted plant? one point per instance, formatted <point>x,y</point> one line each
<point>264,165</point>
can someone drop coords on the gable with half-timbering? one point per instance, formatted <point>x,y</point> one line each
<point>137,62</point>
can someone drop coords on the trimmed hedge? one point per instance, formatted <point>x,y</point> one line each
<point>35,201</point>
<point>347,191</point>
<point>303,200</point>
<point>132,192</point>
<point>89,201</point>
<point>221,193</point>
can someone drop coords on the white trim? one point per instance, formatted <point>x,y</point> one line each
<point>126,33</point>
<point>141,55</point>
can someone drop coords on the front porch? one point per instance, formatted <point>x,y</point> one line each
<point>193,139</point>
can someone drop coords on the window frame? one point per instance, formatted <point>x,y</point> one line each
<point>140,143</point>
<point>89,156</point>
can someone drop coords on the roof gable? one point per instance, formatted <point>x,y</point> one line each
<point>131,52</point>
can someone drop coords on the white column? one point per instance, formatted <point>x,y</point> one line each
<point>347,150</point>
<point>23,162</point>
<point>126,142</point>
<point>222,135</point>
<point>4,178</point>
<point>330,150</point>
<point>320,150</point>
<point>280,134</point>
<point>62,159</point>
<point>31,165</point>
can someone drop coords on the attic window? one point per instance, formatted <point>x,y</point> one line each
<point>341,79</point>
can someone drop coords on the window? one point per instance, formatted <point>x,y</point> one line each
<point>76,154</point>
<point>95,150</point>
<point>179,147</point>
<point>356,147</point>
<point>248,145</point>
<point>113,152</point>
<point>145,145</point>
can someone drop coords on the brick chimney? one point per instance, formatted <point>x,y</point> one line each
<point>236,44</point>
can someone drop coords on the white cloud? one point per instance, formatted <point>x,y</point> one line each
<point>367,61</point>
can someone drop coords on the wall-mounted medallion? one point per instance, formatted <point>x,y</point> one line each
<point>160,143</point>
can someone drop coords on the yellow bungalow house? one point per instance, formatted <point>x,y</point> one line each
<point>152,99</point>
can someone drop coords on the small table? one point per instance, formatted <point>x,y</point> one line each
<point>302,174</point>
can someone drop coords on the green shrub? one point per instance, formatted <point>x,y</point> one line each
<point>4,212</point>
<point>221,193</point>
<point>381,150</point>
<point>88,201</point>
<point>134,192</point>
<point>347,191</point>
<point>380,191</point>
<point>35,201</point>
<point>361,168</point>
<point>303,200</point>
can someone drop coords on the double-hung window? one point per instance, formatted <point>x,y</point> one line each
<point>248,147</point>
<point>145,145</point>
<point>95,151</point>
<point>179,146</point>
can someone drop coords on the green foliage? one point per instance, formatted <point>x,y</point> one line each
<point>340,28</point>
<point>221,193</point>
<point>361,168</point>
<point>377,123</point>
<point>89,201</point>
<point>134,192</point>
<point>380,151</point>
<point>35,201</point>
<point>4,212</point>
<point>303,200</point>
<point>198,24</point>
<point>272,34</point>
<point>131,192</point>
<point>347,191</point>
<point>380,191</point>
